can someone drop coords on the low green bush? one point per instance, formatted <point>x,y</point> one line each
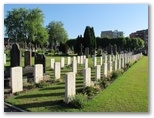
<point>116,74</point>
<point>29,85</point>
<point>90,91</point>
<point>42,84</point>
<point>78,101</point>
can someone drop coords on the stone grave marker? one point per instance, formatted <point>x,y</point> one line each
<point>105,69</point>
<point>97,72</point>
<point>68,61</point>
<point>101,60</point>
<point>110,67</point>
<point>52,61</point>
<point>87,77</point>
<point>78,59</point>
<point>27,58</point>
<point>86,63</point>
<point>41,59</point>
<point>119,63</point>
<point>62,62</point>
<point>95,61</point>
<point>70,88</point>
<point>57,70</point>
<point>38,73</point>
<point>74,65</point>
<point>15,56</point>
<point>16,79</point>
<point>81,60</point>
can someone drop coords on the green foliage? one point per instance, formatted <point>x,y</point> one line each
<point>42,84</point>
<point>79,101</point>
<point>57,33</point>
<point>29,85</point>
<point>90,91</point>
<point>63,48</point>
<point>89,39</point>
<point>26,26</point>
<point>121,42</point>
<point>99,52</point>
<point>78,42</point>
<point>71,43</point>
<point>17,93</point>
<point>116,74</point>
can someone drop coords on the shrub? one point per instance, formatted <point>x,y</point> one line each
<point>116,74</point>
<point>29,85</point>
<point>78,101</point>
<point>42,84</point>
<point>17,93</point>
<point>90,91</point>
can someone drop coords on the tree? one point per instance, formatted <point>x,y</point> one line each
<point>57,33</point>
<point>89,39</point>
<point>77,45</point>
<point>26,26</point>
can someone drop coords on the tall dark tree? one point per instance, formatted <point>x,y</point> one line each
<point>77,45</point>
<point>89,39</point>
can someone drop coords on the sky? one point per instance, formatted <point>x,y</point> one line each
<point>102,17</point>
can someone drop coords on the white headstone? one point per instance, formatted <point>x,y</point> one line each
<point>74,65</point>
<point>4,58</point>
<point>101,60</point>
<point>95,61</point>
<point>78,59</point>
<point>105,59</point>
<point>105,69</point>
<point>52,61</point>
<point>68,61</point>
<point>38,73</point>
<point>16,79</point>
<point>62,62</point>
<point>109,58</point>
<point>85,63</point>
<point>81,59</point>
<point>110,67</point>
<point>119,63</point>
<point>70,89</point>
<point>97,72</point>
<point>87,77</point>
<point>57,70</point>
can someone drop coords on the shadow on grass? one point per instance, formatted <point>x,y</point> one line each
<point>53,88</point>
<point>40,95</point>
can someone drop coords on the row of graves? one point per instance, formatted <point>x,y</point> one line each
<point>107,63</point>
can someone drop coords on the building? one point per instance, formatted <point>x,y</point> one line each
<point>143,34</point>
<point>111,34</point>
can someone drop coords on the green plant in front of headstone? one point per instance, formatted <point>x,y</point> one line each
<point>79,101</point>
<point>90,91</point>
<point>42,84</point>
<point>30,85</point>
<point>116,74</point>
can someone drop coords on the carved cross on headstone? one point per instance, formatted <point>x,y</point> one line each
<point>81,47</point>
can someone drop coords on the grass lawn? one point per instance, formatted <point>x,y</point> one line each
<point>128,93</point>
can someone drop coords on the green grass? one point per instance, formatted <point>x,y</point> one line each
<point>127,93</point>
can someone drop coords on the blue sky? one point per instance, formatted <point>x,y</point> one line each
<point>75,17</point>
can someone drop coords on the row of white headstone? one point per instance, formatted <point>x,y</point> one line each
<point>17,76</point>
<point>70,79</point>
